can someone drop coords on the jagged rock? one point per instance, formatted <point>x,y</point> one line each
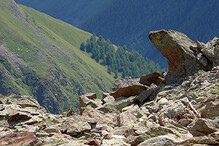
<point>122,130</point>
<point>203,127</point>
<point>68,113</point>
<point>202,140</point>
<point>163,101</point>
<point>210,110</point>
<point>108,98</point>
<point>210,50</point>
<point>126,119</point>
<point>120,83</point>
<point>14,112</point>
<point>52,130</point>
<point>90,99</point>
<point>160,140</point>
<point>84,100</point>
<point>93,142</point>
<point>128,91</point>
<point>154,78</point>
<point>216,58</point>
<point>131,107</point>
<point>96,103</point>
<point>202,59</point>
<point>179,113</point>
<point>180,52</point>
<point>108,108</point>
<point>20,138</point>
<point>18,116</point>
<point>91,96</point>
<point>145,94</point>
<point>75,127</point>
<point>114,142</point>
<point>152,108</point>
<point>207,50</point>
<point>23,101</point>
<point>124,103</point>
<point>152,133</point>
<point>94,116</point>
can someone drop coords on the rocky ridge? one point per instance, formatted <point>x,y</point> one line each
<point>152,110</point>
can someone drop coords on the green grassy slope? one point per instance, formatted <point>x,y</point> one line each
<point>40,56</point>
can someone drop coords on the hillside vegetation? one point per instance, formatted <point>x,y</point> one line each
<point>118,59</point>
<point>40,56</point>
<point>125,22</point>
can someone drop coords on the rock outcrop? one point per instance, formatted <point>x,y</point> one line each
<point>185,57</point>
<point>145,111</point>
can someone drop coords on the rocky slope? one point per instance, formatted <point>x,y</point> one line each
<point>40,56</point>
<point>152,110</point>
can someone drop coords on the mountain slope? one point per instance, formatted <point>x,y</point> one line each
<point>125,22</point>
<point>40,56</point>
<point>75,11</point>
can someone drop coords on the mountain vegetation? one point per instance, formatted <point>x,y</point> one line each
<point>118,60</point>
<point>125,22</point>
<point>40,56</point>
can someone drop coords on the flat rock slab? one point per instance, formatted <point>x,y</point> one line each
<point>128,91</point>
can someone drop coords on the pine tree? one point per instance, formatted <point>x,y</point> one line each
<point>120,60</point>
<point>82,47</point>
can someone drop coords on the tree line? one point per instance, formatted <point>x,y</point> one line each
<point>117,59</point>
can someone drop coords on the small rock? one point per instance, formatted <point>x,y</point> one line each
<point>163,101</point>
<point>91,96</point>
<point>108,99</point>
<point>93,142</point>
<point>210,110</point>
<point>124,103</point>
<point>108,108</point>
<point>145,94</point>
<point>203,127</point>
<point>52,130</point>
<point>126,119</point>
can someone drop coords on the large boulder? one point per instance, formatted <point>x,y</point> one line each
<point>129,91</point>
<point>19,138</point>
<point>120,83</point>
<point>154,78</point>
<point>210,110</point>
<point>184,57</point>
<point>203,127</point>
<point>145,94</point>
